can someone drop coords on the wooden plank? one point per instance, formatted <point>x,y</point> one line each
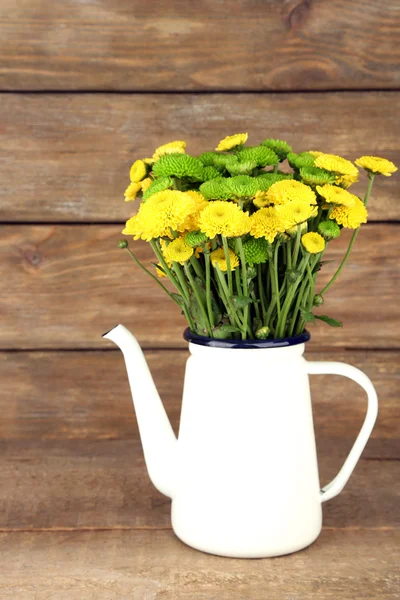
<point>67,157</point>
<point>152,565</point>
<point>69,284</point>
<point>71,457</point>
<point>135,46</point>
<point>78,484</point>
<point>96,402</point>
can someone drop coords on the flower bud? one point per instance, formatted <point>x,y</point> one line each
<point>293,230</point>
<point>329,230</point>
<point>263,333</point>
<point>195,238</point>
<point>122,244</point>
<point>318,300</point>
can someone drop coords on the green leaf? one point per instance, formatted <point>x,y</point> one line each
<point>240,301</point>
<point>329,321</point>
<point>224,331</point>
<point>307,316</point>
<point>251,273</point>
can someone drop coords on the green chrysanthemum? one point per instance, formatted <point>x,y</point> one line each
<point>316,176</point>
<point>261,155</point>
<point>241,185</point>
<point>215,189</point>
<point>255,250</point>
<point>210,173</point>
<point>179,165</point>
<point>265,181</point>
<point>207,158</point>
<point>304,159</point>
<point>280,147</point>
<point>241,168</point>
<point>329,230</point>
<point>195,238</point>
<point>158,185</point>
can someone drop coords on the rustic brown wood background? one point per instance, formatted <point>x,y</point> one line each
<point>85,88</point>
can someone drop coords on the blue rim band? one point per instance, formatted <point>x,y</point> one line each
<point>200,340</point>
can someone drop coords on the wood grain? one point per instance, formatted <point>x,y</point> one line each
<point>144,565</point>
<point>67,157</point>
<point>69,284</point>
<point>295,45</point>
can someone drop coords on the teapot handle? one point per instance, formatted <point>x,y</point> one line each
<point>336,368</point>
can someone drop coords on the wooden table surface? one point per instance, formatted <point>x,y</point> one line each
<point>85,88</point>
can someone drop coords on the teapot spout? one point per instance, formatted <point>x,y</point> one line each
<point>158,439</point>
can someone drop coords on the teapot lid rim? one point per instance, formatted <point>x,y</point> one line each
<point>201,340</point>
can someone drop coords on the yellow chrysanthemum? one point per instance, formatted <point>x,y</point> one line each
<point>178,251</point>
<point>138,171</point>
<point>177,147</point>
<point>293,213</point>
<point>192,222</point>
<point>315,153</point>
<point>231,141</point>
<point>159,214</point>
<point>347,180</point>
<point>131,191</point>
<point>218,258</point>
<point>146,183</point>
<point>377,165</point>
<point>313,242</point>
<point>336,164</point>
<point>159,271</point>
<point>223,218</point>
<point>148,161</point>
<point>261,199</point>
<point>350,217</point>
<point>289,190</point>
<point>336,195</point>
<point>265,223</point>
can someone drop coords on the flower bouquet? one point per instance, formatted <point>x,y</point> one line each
<point>242,240</point>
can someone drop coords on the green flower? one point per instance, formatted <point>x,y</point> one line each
<point>158,185</point>
<point>195,238</point>
<point>280,147</point>
<point>179,165</point>
<point>261,155</point>
<point>215,189</point>
<point>207,158</point>
<point>217,160</point>
<point>241,185</point>
<point>210,173</point>
<point>255,250</point>
<point>316,176</point>
<point>241,168</point>
<point>304,159</point>
<point>329,230</point>
<point>265,181</point>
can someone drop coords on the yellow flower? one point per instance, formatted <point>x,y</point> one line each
<point>315,153</point>
<point>350,217</point>
<point>159,271</point>
<point>231,141</point>
<point>313,242</point>
<point>347,180</point>
<point>374,164</point>
<point>148,161</point>
<point>192,221</point>
<point>218,258</point>
<point>131,191</point>
<point>261,199</point>
<point>336,164</point>
<point>265,223</point>
<point>159,214</point>
<point>336,195</point>
<point>290,189</point>
<point>293,213</point>
<point>223,218</point>
<point>146,183</point>
<point>177,147</point>
<point>138,171</point>
<point>178,251</point>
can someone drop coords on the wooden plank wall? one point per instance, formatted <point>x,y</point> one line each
<point>85,88</point>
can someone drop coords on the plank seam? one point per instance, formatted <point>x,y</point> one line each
<point>229,92</point>
<point>122,223</point>
<point>164,528</point>
<point>336,349</point>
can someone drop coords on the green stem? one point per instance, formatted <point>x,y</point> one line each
<point>137,261</point>
<point>208,288</point>
<point>280,329</point>
<point>296,246</point>
<point>353,239</point>
<point>167,270</point>
<point>245,286</point>
<point>228,263</point>
<point>275,280</point>
<point>197,268</point>
<point>182,281</point>
<point>261,291</point>
<point>198,298</point>
<point>227,299</point>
